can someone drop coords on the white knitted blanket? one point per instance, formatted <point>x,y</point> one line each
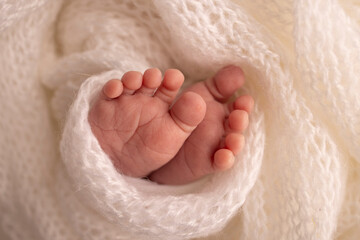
<point>298,176</point>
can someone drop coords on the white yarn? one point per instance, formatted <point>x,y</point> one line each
<point>296,178</point>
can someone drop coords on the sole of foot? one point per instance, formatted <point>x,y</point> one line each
<point>135,125</point>
<point>212,146</point>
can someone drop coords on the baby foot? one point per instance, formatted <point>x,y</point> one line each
<point>133,124</point>
<point>212,145</point>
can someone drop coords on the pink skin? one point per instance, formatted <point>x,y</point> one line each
<point>199,135</point>
<point>212,145</point>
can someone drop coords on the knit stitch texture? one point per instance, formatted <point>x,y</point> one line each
<point>297,176</point>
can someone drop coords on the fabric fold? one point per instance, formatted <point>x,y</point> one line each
<point>128,202</point>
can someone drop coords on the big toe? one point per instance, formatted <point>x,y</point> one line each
<point>188,111</point>
<point>226,82</point>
